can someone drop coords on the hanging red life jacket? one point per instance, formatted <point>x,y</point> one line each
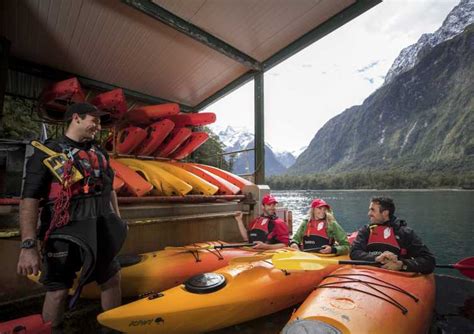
<point>316,234</point>
<point>382,238</point>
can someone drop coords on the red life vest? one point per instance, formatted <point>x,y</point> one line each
<point>382,238</point>
<point>316,234</point>
<point>91,163</point>
<point>260,229</point>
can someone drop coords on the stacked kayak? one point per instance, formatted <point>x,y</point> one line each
<point>367,300</point>
<point>231,295</point>
<point>164,269</point>
<point>142,177</point>
<point>161,131</point>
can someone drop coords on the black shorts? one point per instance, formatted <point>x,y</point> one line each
<point>63,259</point>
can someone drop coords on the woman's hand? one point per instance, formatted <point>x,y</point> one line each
<point>326,249</point>
<point>295,246</point>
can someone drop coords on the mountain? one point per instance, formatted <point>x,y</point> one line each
<point>287,159</point>
<point>422,119</point>
<point>236,139</point>
<point>457,20</point>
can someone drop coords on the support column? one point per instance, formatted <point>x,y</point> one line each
<point>259,130</point>
<point>4,54</point>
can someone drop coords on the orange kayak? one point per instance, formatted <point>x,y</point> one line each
<point>236,180</point>
<point>172,142</point>
<point>164,269</point>
<point>190,145</point>
<point>156,134</point>
<point>134,183</point>
<point>30,324</point>
<point>113,102</point>
<point>367,300</point>
<point>231,295</point>
<point>149,114</point>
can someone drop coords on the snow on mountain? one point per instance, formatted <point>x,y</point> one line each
<point>239,138</point>
<point>459,18</point>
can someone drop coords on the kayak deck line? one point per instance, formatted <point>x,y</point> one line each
<point>383,296</point>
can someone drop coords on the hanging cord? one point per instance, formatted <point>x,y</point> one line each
<point>61,204</point>
<point>381,295</point>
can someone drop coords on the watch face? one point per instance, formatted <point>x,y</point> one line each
<point>28,243</point>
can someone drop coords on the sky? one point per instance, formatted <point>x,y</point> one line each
<point>338,71</point>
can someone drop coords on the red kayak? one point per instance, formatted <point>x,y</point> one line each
<point>225,187</point>
<point>113,102</point>
<point>33,324</point>
<point>129,138</point>
<point>172,142</point>
<point>196,119</point>
<point>190,145</point>
<point>236,180</point>
<point>149,114</point>
<point>55,98</point>
<point>156,134</point>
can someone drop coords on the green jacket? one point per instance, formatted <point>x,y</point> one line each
<point>334,231</point>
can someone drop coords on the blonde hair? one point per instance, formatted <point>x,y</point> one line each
<point>330,218</point>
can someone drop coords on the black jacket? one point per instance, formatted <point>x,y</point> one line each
<point>418,258</point>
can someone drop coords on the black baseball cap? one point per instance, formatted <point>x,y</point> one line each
<point>83,108</point>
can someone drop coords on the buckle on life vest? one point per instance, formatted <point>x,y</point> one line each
<point>56,162</point>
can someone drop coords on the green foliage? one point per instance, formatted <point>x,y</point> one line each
<point>392,179</point>
<point>18,122</point>
<point>210,153</point>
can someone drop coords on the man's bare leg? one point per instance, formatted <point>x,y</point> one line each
<point>111,293</point>
<point>53,307</point>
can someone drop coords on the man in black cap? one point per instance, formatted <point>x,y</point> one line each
<point>80,226</point>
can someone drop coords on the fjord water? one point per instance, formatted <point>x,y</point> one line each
<point>442,218</point>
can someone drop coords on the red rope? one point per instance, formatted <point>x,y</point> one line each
<point>62,202</point>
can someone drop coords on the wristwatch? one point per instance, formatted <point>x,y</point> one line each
<point>404,266</point>
<point>28,243</point>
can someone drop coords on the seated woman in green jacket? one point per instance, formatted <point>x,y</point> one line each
<point>321,231</point>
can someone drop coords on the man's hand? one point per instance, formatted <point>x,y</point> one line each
<point>390,261</point>
<point>261,245</point>
<point>238,215</point>
<point>295,246</point>
<point>393,265</point>
<point>326,249</point>
<point>386,257</point>
<point>29,262</point>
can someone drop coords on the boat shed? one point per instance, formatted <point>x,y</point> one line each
<point>192,52</point>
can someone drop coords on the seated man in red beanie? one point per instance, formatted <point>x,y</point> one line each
<point>267,231</point>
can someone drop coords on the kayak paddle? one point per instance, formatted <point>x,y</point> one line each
<point>196,248</point>
<point>305,261</point>
<point>465,266</point>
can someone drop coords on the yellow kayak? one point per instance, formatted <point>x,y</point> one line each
<point>200,186</point>
<point>165,183</point>
<point>164,269</point>
<point>231,295</point>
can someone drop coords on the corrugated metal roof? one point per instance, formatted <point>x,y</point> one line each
<point>114,43</point>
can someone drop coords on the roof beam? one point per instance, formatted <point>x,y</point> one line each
<point>159,13</point>
<point>320,31</point>
<point>49,73</point>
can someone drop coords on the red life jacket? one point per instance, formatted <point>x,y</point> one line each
<point>316,234</point>
<point>382,238</point>
<point>260,229</point>
<point>91,163</point>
